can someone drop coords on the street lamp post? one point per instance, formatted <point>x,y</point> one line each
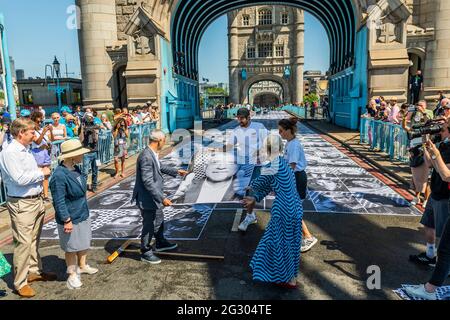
<point>56,75</point>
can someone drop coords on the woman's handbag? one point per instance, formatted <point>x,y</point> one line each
<point>5,267</point>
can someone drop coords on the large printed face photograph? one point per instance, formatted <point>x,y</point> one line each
<point>214,177</point>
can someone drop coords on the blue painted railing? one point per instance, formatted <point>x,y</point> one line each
<point>137,141</point>
<point>386,137</point>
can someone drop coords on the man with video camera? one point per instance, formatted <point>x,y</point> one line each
<point>88,135</point>
<point>417,117</point>
<point>437,210</point>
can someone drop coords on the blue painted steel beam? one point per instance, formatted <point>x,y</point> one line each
<point>198,34</point>
<point>9,82</point>
<point>222,7</point>
<point>200,15</point>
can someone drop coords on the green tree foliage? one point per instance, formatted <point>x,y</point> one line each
<point>216,91</point>
<point>312,97</point>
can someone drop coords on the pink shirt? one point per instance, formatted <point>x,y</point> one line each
<point>394,114</point>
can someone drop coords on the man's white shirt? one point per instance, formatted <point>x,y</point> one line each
<point>21,174</point>
<point>248,141</point>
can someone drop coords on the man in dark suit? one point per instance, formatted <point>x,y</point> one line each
<point>149,196</point>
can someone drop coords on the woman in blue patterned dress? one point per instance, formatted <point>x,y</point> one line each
<point>277,256</point>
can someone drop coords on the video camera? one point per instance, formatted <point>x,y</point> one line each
<point>432,128</point>
<point>412,108</point>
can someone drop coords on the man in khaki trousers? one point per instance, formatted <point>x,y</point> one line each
<point>23,180</point>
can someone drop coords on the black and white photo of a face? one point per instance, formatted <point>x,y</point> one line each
<point>186,222</point>
<point>329,184</point>
<point>221,167</point>
<point>364,185</point>
<point>114,198</point>
<point>122,224</point>
<point>336,202</point>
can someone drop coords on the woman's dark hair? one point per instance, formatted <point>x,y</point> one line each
<point>289,124</point>
<point>36,115</point>
<point>119,123</point>
<point>404,106</point>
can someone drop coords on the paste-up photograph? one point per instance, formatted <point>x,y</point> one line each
<point>214,177</point>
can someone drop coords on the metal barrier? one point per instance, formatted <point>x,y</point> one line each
<point>307,113</point>
<point>138,140</point>
<point>208,114</point>
<point>386,137</point>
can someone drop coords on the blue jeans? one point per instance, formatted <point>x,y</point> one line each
<point>90,163</point>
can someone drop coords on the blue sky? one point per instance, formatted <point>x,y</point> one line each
<point>37,31</point>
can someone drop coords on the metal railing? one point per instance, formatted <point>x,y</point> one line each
<point>307,113</point>
<point>208,114</point>
<point>137,141</point>
<point>386,137</point>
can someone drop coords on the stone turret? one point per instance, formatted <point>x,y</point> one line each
<point>437,65</point>
<point>98,30</point>
<point>233,58</point>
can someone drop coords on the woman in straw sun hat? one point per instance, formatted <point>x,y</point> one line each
<point>68,187</point>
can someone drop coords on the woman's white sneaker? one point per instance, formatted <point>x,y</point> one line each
<point>74,282</point>
<point>88,270</point>
<point>249,219</point>
<point>307,244</point>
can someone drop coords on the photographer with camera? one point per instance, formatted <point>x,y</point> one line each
<point>437,210</point>
<point>441,107</point>
<point>441,271</point>
<point>41,146</point>
<point>120,134</point>
<point>5,133</point>
<point>88,134</point>
<point>383,112</point>
<point>416,117</point>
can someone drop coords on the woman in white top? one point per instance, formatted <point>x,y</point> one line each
<point>105,121</point>
<point>40,147</point>
<point>135,118</point>
<point>57,130</point>
<point>295,156</point>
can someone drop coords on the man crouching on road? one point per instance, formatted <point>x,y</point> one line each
<point>149,196</point>
<point>23,180</point>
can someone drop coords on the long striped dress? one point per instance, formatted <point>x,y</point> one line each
<point>277,256</point>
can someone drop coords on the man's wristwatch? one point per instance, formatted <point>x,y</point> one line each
<point>66,222</point>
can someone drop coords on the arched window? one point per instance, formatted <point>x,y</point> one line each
<point>265,17</point>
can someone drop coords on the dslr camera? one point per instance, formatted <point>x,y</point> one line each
<point>432,128</point>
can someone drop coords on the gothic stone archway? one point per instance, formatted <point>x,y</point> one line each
<point>246,85</point>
